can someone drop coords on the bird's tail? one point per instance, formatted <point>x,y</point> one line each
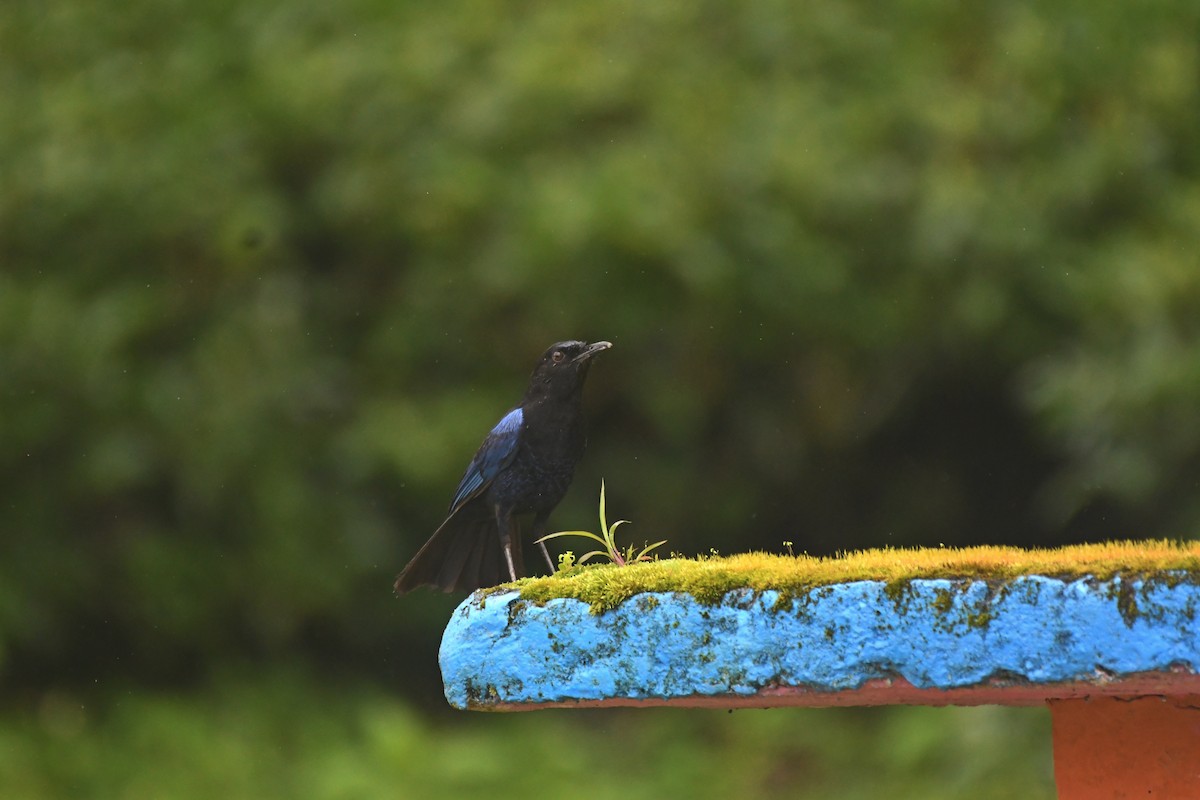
<point>463,554</point>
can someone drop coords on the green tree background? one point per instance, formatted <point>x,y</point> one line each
<point>900,275</point>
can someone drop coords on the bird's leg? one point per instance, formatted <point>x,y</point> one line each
<point>505,526</point>
<point>539,530</point>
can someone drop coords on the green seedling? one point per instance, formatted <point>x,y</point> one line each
<point>607,538</point>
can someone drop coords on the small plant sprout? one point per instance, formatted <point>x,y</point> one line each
<point>607,538</point>
<point>788,545</point>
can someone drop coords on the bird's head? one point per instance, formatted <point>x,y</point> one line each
<point>562,368</point>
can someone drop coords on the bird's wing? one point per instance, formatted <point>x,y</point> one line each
<point>497,452</point>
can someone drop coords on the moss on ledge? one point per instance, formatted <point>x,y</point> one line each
<point>709,579</point>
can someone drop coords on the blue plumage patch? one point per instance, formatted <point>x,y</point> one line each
<point>496,453</point>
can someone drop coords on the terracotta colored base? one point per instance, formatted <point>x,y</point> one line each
<point>1112,747</point>
<point>898,691</point>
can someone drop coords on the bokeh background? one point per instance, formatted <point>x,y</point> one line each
<point>917,273</point>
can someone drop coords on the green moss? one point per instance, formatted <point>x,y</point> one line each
<point>710,578</point>
<point>783,601</point>
<point>897,590</point>
<point>481,698</point>
<point>943,601</point>
<point>1126,601</point>
<point>979,619</point>
<point>514,609</point>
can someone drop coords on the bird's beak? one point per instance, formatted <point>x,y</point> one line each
<point>591,350</point>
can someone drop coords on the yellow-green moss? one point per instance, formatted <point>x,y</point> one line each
<point>944,601</point>
<point>710,578</point>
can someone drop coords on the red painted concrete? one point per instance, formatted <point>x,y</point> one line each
<point>1118,747</point>
<point>898,691</point>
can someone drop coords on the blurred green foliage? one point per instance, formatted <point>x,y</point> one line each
<point>268,271</point>
<point>294,737</point>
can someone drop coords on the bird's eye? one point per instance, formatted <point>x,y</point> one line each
<point>558,356</point>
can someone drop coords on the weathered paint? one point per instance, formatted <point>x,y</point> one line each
<point>501,651</point>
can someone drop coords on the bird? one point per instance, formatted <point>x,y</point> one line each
<point>524,466</point>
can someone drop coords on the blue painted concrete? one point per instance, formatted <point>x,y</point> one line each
<point>937,633</point>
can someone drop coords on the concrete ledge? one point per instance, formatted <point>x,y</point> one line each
<point>928,641</point>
